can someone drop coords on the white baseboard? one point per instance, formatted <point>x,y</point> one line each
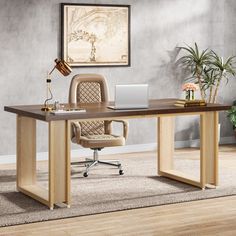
<point>84,152</point>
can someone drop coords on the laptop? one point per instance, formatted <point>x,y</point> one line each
<point>131,96</point>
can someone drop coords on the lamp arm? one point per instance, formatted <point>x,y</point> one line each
<point>52,70</point>
<point>51,96</point>
<point>49,93</point>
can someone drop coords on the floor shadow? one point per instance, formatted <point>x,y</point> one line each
<point>173,183</point>
<point>22,201</point>
<point>7,176</point>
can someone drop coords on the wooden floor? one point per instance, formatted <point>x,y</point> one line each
<point>206,217</point>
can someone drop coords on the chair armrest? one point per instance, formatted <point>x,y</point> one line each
<point>76,132</point>
<point>125,127</point>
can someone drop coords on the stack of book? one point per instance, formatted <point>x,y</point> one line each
<point>190,103</point>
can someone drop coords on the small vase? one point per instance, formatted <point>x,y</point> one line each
<point>187,95</point>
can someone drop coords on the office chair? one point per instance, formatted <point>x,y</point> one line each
<point>96,135</point>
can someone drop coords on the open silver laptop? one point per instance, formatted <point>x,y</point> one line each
<point>131,96</point>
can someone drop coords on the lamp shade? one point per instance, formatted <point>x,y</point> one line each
<point>63,67</point>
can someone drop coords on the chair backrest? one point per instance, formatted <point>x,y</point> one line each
<point>90,88</point>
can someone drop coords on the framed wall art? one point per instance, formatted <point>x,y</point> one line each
<point>95,35</point>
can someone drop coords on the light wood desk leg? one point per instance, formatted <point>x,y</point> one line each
<point>68,164</point>
<point>209,148</point>
<point>26,151</point>
<point>165,143</point>
<point>59,162</point>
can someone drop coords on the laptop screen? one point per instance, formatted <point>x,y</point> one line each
<point>131,96</point>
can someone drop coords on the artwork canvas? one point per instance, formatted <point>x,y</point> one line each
<point>96,35</point>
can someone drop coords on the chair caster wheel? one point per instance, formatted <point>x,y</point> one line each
<point>85,174</point>
<point>121,172</point>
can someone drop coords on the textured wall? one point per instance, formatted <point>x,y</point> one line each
<point>30,40</point>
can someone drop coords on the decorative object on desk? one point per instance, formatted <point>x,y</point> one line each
<point>232,116</point>
<point>57,106</point>
<point>189,89</point>
<point>95,35</point>
<point>189,103</point>
<point>207,69</point>
<point>65,70</point>
<point>67,111</point>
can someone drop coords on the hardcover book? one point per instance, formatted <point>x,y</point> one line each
<point>190,103</point>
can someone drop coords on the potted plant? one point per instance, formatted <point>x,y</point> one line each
<point>219,71</point>
<point>207,69</point>
<point>195,63</point>
<point>232,116</point>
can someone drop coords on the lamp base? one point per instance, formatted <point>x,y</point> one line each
<point>46,108</point>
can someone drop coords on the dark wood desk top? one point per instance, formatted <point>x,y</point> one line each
<point>100,110</point>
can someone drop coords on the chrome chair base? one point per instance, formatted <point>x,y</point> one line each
<point>90,163</point>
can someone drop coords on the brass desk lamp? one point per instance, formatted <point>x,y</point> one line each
<point>65,70</point>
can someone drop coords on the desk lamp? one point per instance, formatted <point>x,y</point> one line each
<point>65,70</point>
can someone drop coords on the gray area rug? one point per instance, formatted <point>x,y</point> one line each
<point>105,191</point>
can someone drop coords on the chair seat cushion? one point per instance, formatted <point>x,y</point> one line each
<point>101,140</point>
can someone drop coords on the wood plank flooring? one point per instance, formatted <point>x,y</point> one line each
<point>206,217</point>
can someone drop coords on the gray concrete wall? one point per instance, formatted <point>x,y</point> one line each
<point>30,41</point>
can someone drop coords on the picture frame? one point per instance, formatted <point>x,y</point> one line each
<point>95,34</point>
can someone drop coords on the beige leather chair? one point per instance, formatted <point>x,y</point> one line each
<point>92,88</point>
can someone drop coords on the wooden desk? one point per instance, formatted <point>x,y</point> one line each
<point>59,144</point>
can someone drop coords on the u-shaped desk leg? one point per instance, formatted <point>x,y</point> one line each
<point>208,150</point>
<point>59,162</point>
